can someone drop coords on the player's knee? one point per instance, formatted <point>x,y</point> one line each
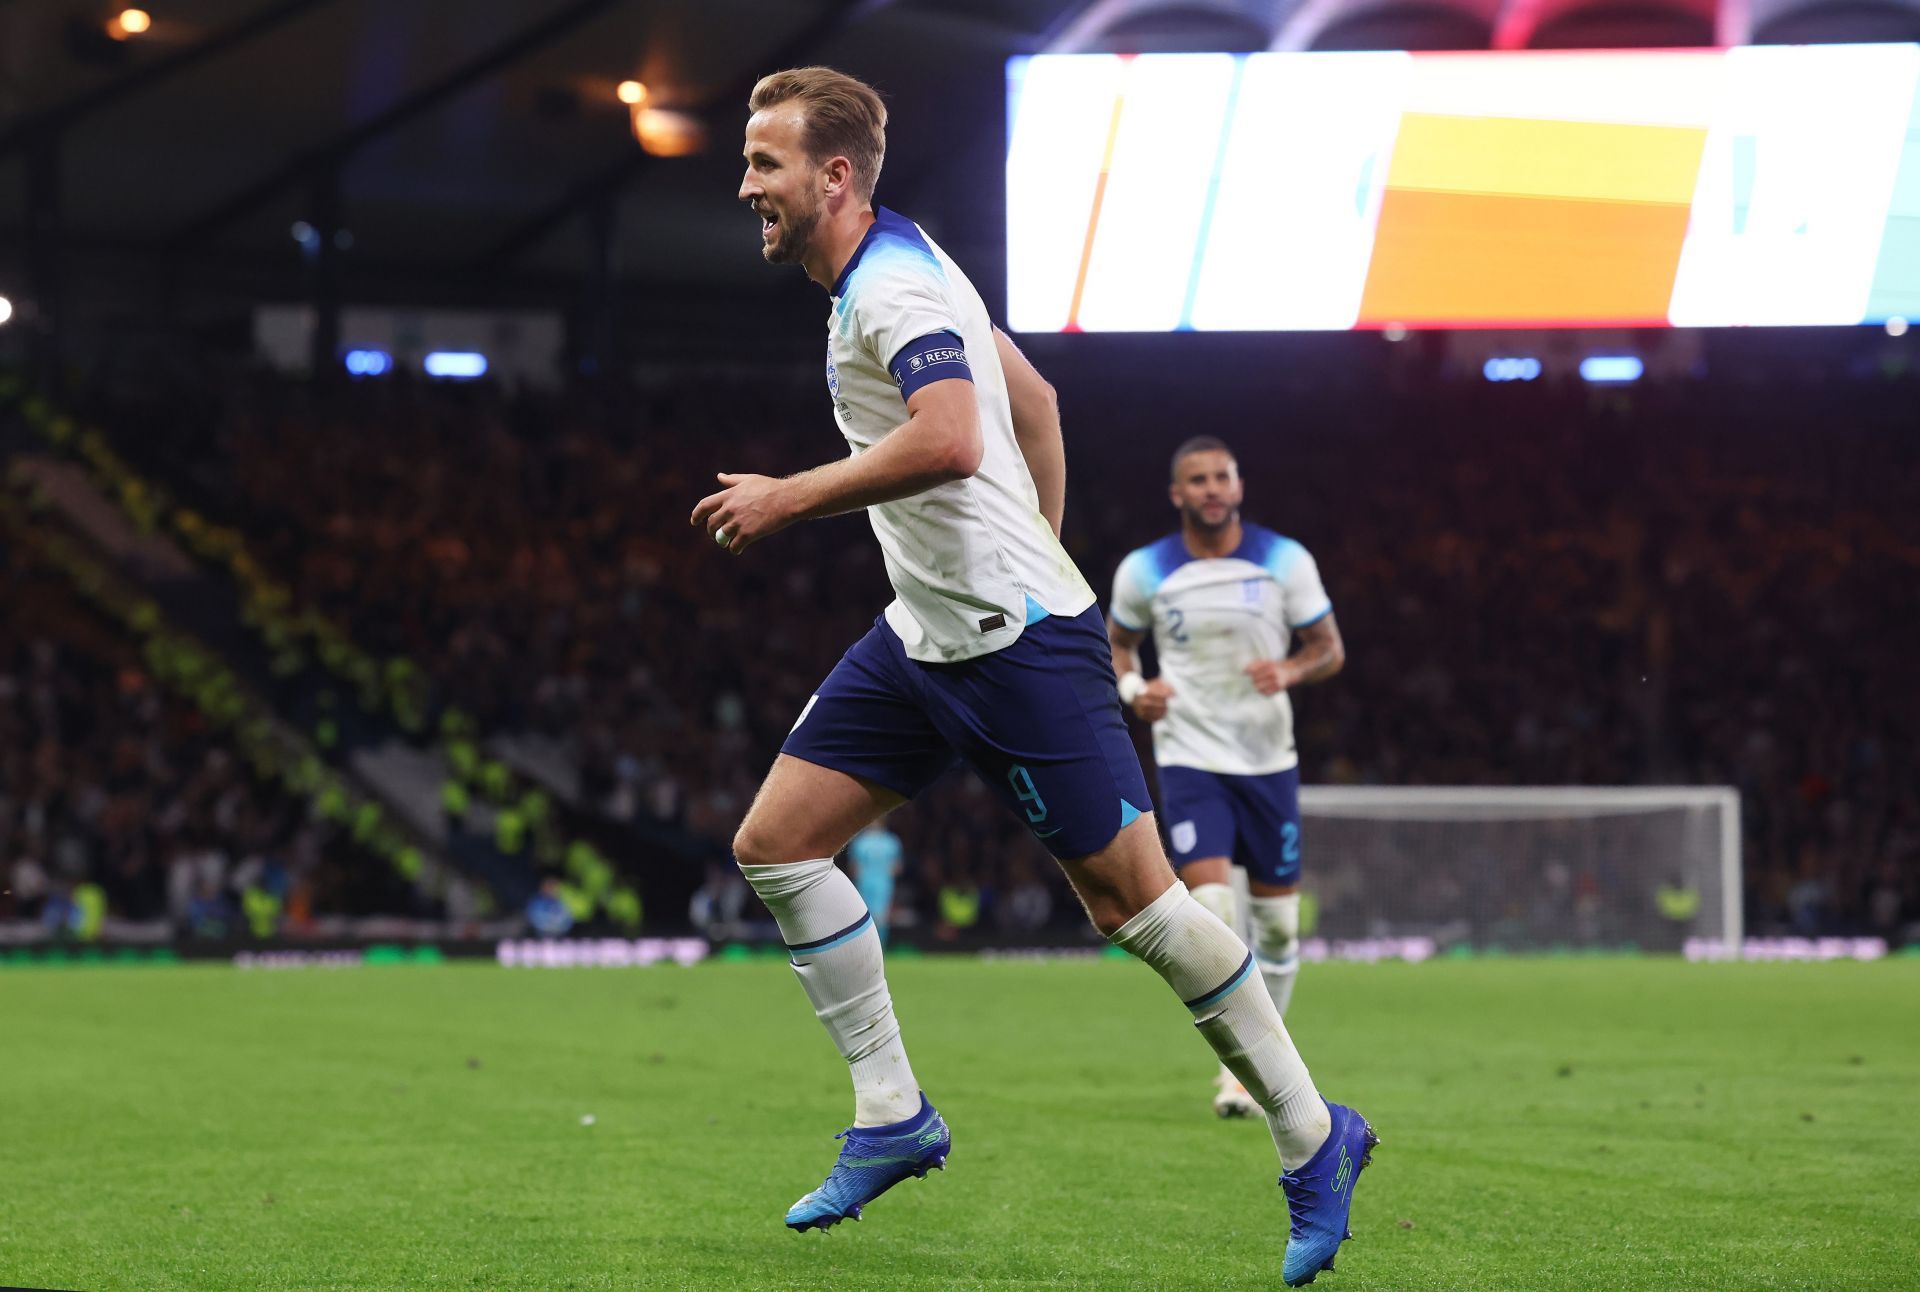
<point>753,846</point>
<point>1217,898</point>
<point>1107,911</point>
<point>1275,925</point>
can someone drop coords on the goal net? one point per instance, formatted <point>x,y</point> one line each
<point>1523,869</point>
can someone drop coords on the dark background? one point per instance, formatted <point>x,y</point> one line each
<point>1707,578</point>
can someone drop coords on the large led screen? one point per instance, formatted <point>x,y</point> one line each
<point>1204,192</point>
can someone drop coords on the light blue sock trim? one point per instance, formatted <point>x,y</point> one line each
<point>1226,989</point>
<point>846,935</point>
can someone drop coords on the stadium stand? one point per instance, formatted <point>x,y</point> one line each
<point>1539,585</point>
<point>120,801</point>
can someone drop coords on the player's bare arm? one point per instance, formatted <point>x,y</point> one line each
<point>1147,699</point>
<point>1036,426</point>
<point>1321,655</point>
<point>939,442</point>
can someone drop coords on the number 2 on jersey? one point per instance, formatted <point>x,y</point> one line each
<point>1176,626</point>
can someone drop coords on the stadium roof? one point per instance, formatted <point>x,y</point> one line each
<point>472,136</point>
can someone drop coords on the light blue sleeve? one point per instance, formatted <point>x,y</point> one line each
<point>902,295</point>
<point>1132,606</point>
<point>1305,597</point>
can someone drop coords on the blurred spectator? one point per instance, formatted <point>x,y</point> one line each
<point>720,902</point>
<point>548,911</point>
<point>1690,583</point>
<point>875,854</point>
<point>116,799</point>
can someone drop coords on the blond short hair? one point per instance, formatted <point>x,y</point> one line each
<point>844,118</point>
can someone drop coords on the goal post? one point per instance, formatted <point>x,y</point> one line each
<point>1576,867</point>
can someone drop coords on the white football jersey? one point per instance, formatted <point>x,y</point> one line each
<point>971,561</point>
<point>1211,617</point>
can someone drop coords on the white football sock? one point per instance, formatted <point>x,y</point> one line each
<point>1275,923</point>
<point>1218,898</point>
<point>835,951</point>
<point>1210,969</point>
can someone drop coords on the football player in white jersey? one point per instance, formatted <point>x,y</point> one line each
<point>992,653</point>
<point>1225,601</point>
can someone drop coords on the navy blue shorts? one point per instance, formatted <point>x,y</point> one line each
<point>1039,720</point>
<point>1254,821</point>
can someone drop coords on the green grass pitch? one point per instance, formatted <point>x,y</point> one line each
<point>1547,1124</point>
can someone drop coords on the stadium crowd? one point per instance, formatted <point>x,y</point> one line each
<point>1685,583</point>
<point>118,800</point>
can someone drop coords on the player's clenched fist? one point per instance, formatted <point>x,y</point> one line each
<point>746,511</point>
<point>1269,676</point>
<point>1150,705</point>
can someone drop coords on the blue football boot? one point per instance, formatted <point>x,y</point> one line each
<point>873,1160</point>
<point>1320,1196</point>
